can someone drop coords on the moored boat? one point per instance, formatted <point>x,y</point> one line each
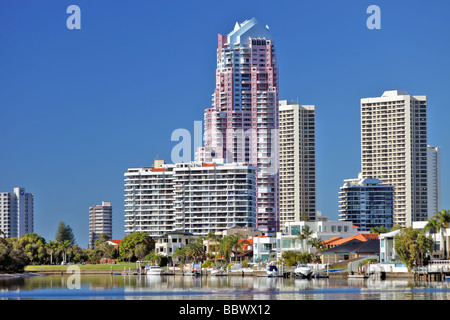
<point>271,270</point>
<point>153,270</point>
<point>219,272</point>
<point>302,270</point>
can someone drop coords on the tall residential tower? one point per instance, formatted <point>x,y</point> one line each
<point>367,203</point>
<point>100,221</point>
<point>16,213</point>
<point>394,150</point>
<point>297,162</point>
<point>242,124</point>
<point>434,179</point>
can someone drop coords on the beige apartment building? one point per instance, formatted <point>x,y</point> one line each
<point>297,162</point>
<point>100,221</point>
<point>394,150</point>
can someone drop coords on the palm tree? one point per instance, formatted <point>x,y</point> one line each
<point>64,246</point>
<point>212,244</point>
<point>432,227</point>
<point>305,234</point>
<point>52,247</point>
<point>180,254</point>
<point>317,244</point>
<point>227,245</point>
<point>443,218</point>
<point>237,244</point>
<point>195,250</point>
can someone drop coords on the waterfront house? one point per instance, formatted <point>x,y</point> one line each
<point>387,251</point>
<point>330,243</point>
<point>264,248</point>
<point>323,229</point>
<point>171,241</point>
<point>350,250</point>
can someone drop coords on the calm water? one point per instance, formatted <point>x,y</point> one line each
<point>133,287</point>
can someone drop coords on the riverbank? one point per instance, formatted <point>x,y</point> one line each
<point>21,275</point>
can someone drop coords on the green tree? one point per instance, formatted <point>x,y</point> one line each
<point>195,250</point>
<point>433,226</point>
<point>443,219</point>
<point>64,233</point>
<point>412,246</point>
<point>318,245</point>
<point>64,247</point>
<point>12,256</point>
<point>35,248</point>
<point>95,255</point>
<point>180,254</point>
<point>52,248</point>
<point>108,250</point>
<point>379,229</point>
<point>128,245</point>
<point>305,234</point>
<point>79,254</point>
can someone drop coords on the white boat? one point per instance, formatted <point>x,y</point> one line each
<point>271,270</point>
<point>357,276</point>
<point>153,270</point>
<point>302,270</point>
<point>218,272</point>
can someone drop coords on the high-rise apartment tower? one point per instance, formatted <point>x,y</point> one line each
<point>394,150</point>
<point>242,124</point>
<point>297,162</point>
<point>434,179</point>
<point>16,213</point>
<point>100,221</point>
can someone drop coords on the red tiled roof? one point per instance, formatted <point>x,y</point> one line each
<point>117,242</point>
<point>360,236</point>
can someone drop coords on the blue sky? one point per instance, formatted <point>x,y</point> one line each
<point>79,107</point>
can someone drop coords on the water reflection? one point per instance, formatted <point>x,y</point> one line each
<point>239,288</point>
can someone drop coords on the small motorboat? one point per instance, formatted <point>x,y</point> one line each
<point>271,270</point>
<point>153,270</point>
<point>302,270</point>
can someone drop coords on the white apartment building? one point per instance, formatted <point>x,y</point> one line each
<point>211,197</point>
<point>434,179</point>
<point>394,150</point>
<point>100,221</point>
<point>16,213</point>
<point>149,193</point>
<point>367,203</point>
<point>195,197</point>
<point>297,161</point>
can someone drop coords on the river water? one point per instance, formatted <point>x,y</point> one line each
<point>138,287</point>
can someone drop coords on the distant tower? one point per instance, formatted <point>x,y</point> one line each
<point>434,179</point>
<point>16,213</point>
<point>242,125</point>
<point>394,150</point>
<point>367,203</point>
<point>100,221</point>
<point>297,145</point>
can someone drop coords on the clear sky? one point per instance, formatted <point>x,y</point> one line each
<point>79,107</point>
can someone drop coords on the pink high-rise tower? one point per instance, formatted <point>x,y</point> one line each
<point>242,125</point>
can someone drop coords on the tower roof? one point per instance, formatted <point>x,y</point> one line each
<point>248,29</point>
